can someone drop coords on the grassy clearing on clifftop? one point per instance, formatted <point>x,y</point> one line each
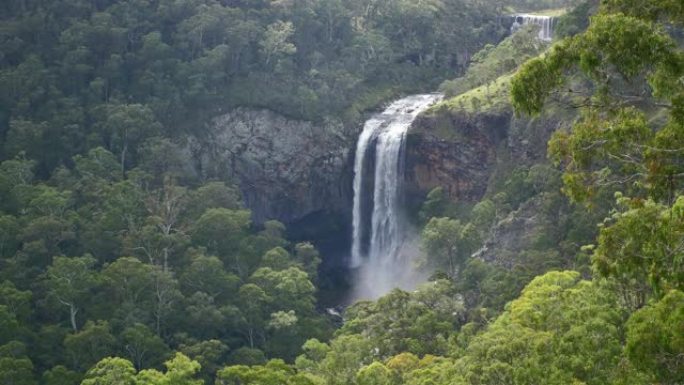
<point>494,61</point>
<point>492,97</point>
<point>557,12</point>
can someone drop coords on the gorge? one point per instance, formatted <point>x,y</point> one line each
<point>343,198</point>
<point>341,192</point>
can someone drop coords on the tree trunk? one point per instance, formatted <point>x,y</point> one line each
<point>158,322</point>
<point>72,316</point>
<point>123,159</point>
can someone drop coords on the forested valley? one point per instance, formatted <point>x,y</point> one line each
<point>181,202</point>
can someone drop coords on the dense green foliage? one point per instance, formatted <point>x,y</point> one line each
<point>77,74</point>
<point>95,265</point>
<point>541,5</point>
<point>109,243</point>
<point>614,147</point>
<point>118,265</point>
<point>576,20</point>
<point>625,325</point>
<point>492,61</point>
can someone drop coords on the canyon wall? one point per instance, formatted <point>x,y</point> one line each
<point>286,169</point>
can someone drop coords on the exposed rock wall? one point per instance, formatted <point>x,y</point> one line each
<point>465,152</point>
<point>289,170</point>
<point>460,150</point>
<point>455,151</point>
<point>286,169</point>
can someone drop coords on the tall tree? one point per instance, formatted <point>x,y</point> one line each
<point>126,126</point>
<point>69,281</point>
<point>633,65</point>
<point>655,339</point>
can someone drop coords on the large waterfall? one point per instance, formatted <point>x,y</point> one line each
<point>379,233</point>
<point>545,23</point>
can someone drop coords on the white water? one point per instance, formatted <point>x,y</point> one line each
<point>384,267</point>
<point>545,22</point>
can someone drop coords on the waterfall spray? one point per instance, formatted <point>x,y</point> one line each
<point>382,263</point>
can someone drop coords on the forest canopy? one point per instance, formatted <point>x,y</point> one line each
<point>120,264</point>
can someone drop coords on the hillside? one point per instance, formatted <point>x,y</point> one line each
<point>225,192</point>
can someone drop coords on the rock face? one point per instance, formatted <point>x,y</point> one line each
<point>286,169</point>
<point>464,152</point>
<point>455,151</point>
<point>460,150</point>
<point>301,172</point>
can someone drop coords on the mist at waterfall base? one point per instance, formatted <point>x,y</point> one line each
<point>384,246</point>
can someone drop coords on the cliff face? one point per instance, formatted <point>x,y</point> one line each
<point>460,150</point>
<point>286,169</point>
<point>293,170</point>
<point>455,151</point>
<point>466,152</point>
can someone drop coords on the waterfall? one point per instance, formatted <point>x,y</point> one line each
<point>379,231</point>
<point>545,22</point>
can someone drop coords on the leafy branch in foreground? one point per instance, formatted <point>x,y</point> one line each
<point>615,146</point>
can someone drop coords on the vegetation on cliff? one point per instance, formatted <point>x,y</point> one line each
<point>493,61</point>
<point>120,265</point>
<point>78,74</point>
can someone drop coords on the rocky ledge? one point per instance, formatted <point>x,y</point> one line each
<point>453,150</point>
<point>285,168</point>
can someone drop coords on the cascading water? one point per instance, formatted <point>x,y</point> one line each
<point>379,232</point>
<point>545,23</point>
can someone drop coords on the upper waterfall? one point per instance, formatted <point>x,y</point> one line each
<point>378,227</point>
<point>545,22</point>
